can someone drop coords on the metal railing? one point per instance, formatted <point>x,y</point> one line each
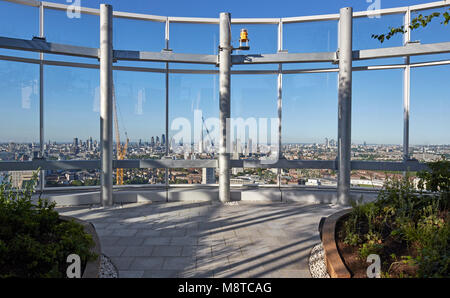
<point>407,50</point>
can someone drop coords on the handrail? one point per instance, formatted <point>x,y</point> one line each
<point>200,20</point>
<point>410,165</point>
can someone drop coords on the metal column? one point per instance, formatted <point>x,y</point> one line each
<point>41,98</point>
<point>345,104</point>
<point>106,104</point>
<point>224,101</point>
<point>280,97</point>
<point>406,89</point>
<point>166,172</point>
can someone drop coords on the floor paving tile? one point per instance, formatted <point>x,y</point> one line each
<point>147,263</point>
<point>208,239</point>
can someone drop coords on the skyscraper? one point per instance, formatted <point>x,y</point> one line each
<point>163,140</point>
<point>152,141</point>
<point>209,176</point>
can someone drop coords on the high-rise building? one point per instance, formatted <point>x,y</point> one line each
<point>209,176</point>
<point>250,147</point>
<point>157,140</point>
<point>152,141</point>
<point>19,177</point>
<point>163,140</point>
<point>75,142</point>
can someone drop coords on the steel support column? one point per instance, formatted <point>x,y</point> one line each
<point>406,88</point>
<point>280,98</point>
<point>345,104</point>
<point>166,172</point>
<point>41,99</point>
<point>224,101</point>
<point>106,103</point>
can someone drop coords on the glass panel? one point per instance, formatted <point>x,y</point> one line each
<point>82,31</point>
<point>309,120</point>
<point>253,176</point>
<point>188,176</point>
<point>18,21</point>
<point>140,101</point>
<point>193,115</point>
<point>309,177</point>
<point>434,32</point>
<point>18,179</point>
<point>65,178</point>
<point>364,28</point>
<point>429,120</point>
<point>72,105</point>
<point>138,35</point>
<point>142,176</point>
<point>310,37</point>
<point>194,38</point>
<point>377,115</point>
<point>19,115</point>
<point>364,179</point>
<point>254,132</point>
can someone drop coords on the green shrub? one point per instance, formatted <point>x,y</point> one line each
<point>417,219</point>
<point>34,242</point>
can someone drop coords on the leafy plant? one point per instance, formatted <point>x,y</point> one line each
<point>417,22</point>
<point>416,220</point>
<point>34,242</point>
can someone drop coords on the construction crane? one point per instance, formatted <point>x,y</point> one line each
<point>121,150</point>
<point>209,135</point>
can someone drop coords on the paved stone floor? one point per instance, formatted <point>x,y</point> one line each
<point>207,239</point>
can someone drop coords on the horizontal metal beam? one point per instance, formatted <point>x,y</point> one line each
<point>49,165</point>
<point>407,50</point>
<point>389,166</point>
<point>214,71</point>
<point>33,3</point>
<point>47,47</point>
<point>283,58</point>
<point>164,163</point>
<point>165,56</point>
<point>284,164</point>
<point>209,163</point>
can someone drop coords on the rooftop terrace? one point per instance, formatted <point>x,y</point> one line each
<point>219,229</point>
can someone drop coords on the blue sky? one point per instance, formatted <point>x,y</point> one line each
<point>309,101</point>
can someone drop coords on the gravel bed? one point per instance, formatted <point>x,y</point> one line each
<point>317,265</point>
<point>107,268</point>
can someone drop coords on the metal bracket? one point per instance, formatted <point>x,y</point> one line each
<point>225,48</point>
<point>40,38</point>
<point>336,59</point>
